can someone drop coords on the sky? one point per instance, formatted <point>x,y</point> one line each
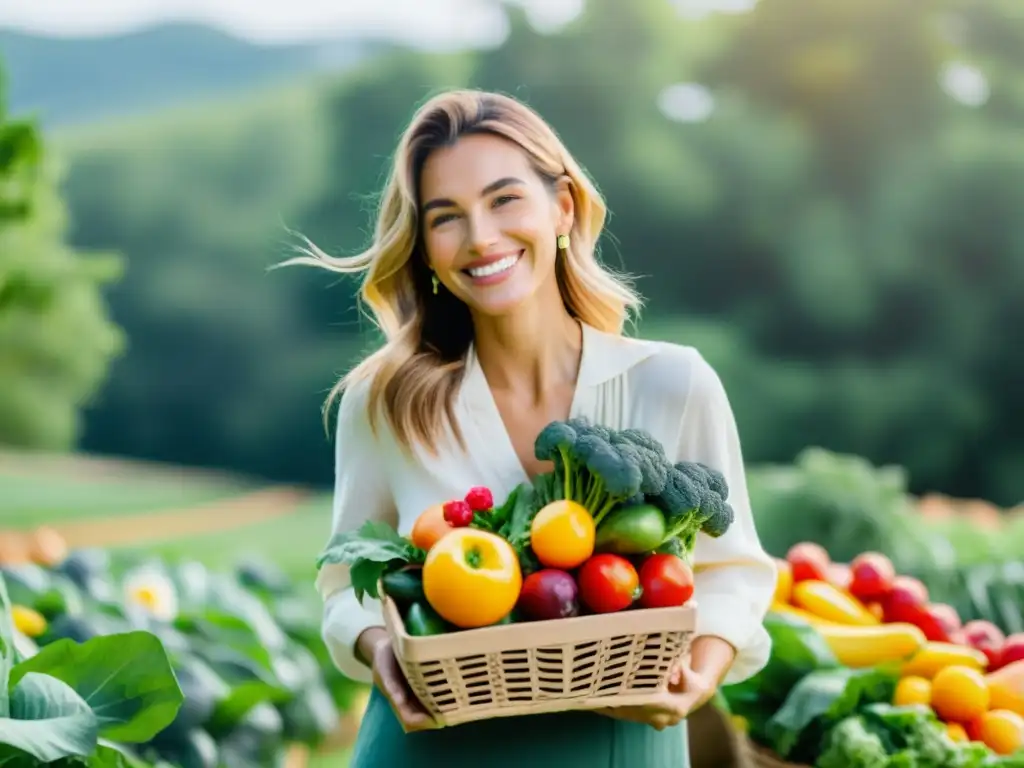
<point>427,23</point>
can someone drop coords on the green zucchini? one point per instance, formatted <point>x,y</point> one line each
<point>421,621</point>
<point>404,587</point>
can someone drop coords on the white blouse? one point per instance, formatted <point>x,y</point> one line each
<point>666,389</point>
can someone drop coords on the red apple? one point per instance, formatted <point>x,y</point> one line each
<point>871,576</point>
<point>905,601</point>
<point>809,561</point>
<point>987,638</point>
<point>1013,649</point>
<point>939,622</point>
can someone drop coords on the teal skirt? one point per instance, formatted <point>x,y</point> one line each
<point>562,740</point>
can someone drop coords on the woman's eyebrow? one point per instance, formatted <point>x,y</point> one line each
<point>494,186</point>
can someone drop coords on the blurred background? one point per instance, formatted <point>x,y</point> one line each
<point>825,199</point>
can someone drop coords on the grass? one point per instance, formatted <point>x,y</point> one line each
<point>291,542</point>
<point>29,499</point>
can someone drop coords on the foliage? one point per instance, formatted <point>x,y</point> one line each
<point>56,340</point>
<point>244,646</point>
<point>839,235</point>
<point>58,705</point>
<point>846,505</point>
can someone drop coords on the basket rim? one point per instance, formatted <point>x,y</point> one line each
<point>541,633</point>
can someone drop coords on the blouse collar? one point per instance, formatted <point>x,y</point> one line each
<point>605,356</point>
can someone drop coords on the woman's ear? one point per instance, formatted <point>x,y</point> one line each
<point>565,203</point>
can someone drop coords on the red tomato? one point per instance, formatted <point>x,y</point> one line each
<point>665,581</point>
<point>608,583</point>
<point>809,561</point>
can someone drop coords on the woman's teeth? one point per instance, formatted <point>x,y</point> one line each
<point>495,267</point>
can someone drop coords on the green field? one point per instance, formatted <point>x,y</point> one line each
<point>291,542</point>
<point>33,500</point>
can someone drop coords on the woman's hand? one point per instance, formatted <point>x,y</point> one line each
<point>693,684</point>
<point>687,691</point>
<point>375,646</point>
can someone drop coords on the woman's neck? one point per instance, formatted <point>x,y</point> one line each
<point>530,352</point>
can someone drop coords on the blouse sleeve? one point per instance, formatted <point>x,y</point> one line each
<point>734,578</point>
<point>361,493</point>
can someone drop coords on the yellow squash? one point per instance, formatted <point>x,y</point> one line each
<point>934,657</point>
<point>860,646</point>
<point>799,613</point>
<point>830,602</point>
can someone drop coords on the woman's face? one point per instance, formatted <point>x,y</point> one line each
<point>490,224</point>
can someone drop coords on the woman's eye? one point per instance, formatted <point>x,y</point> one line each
<point>504,199</point>
<point>442,219</point>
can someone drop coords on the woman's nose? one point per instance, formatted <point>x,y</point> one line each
<point>483,233</point>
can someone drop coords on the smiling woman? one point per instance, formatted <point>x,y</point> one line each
<point>498,320</point>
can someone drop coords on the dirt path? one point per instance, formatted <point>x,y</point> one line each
<point>219,515</point>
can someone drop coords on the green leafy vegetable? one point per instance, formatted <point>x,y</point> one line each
<point>818,702</point>
<point>48,720</point>
<point>126,679</point>
<point>370,551</point>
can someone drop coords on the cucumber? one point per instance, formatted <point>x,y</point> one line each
<point>421,620</point>
<point>404,587</point>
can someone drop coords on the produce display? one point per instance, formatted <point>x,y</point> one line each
<point>610,528</point>
<point>116,661</point>
<point>867,672</point>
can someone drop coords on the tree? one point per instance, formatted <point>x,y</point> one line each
<point>56,340</point>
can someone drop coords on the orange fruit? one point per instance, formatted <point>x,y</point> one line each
<point>959,694</point>
<point>956,732</point>
<point>429,528</point>
<point>562,535</point>
<point>913,690</point>
<point>1002,731</point>
<point>472,578</point>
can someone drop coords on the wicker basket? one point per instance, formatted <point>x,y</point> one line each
<point>585,662</point>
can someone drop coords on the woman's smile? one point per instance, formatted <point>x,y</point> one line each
<point>493,269</point>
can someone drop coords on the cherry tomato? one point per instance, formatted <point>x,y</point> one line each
<point>665,581</point>
<point>608,583</point>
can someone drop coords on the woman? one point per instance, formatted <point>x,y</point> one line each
<point>498,319</point>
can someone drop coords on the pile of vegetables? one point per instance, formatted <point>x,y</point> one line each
<point>205,669</point>
<point>867,672</point>
<point>611,527</point>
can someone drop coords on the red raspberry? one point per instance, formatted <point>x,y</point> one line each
<point>458,513</point>
<point>480,499</point>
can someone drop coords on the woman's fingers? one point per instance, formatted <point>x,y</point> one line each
<point>395,688</point>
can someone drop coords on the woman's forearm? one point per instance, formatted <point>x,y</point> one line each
<point>367,643</point>
<point>711,657</point>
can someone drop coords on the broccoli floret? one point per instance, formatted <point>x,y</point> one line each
<point>654,465</point>
<point>851,744</point>
<point>555,443</point>
<point>720,516</point>
<point>716,480</point>
<point>591,469</point>
<point>691,504</point>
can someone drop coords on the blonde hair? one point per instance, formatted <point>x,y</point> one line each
<point>415,375</point>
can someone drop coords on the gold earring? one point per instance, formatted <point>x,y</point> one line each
<point>563,242</point>
<point>435,282</point>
